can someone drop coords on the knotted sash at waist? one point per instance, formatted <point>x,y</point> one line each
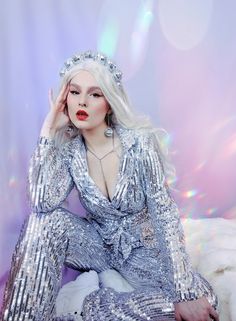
<point>123,242</point>
<point>122,235</point>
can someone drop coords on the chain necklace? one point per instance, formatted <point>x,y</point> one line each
<point>100,162</point>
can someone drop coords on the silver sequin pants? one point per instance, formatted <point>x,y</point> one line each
<point>59,237</point>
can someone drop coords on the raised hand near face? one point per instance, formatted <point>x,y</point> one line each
<point>58,113</point>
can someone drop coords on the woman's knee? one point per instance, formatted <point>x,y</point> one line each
<point>43,228</point>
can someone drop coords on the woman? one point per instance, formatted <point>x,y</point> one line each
<point>132,225</point>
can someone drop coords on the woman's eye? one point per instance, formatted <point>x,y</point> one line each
<point>74,92</point>
<point>96,95</point>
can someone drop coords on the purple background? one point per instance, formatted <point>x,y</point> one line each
<point>179,64</point>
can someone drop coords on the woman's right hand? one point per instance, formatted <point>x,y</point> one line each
<point>58,114</point>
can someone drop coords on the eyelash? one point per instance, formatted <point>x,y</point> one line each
<point>74,91</point>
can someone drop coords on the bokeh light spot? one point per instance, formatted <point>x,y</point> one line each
<point>185,22</point>
<point>12,182</point>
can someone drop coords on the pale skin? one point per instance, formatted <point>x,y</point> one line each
<point>81,93</point>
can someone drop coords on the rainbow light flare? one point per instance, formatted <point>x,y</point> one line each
<point>190,193</point>
<point>107,41</point>
<point>211,210</point>
<point>141,30</point>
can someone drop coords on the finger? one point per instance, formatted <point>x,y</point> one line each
<point>61,99</point>
<point>65,94</point>
<point>178,318</point>
<point>177,315</point>
<point>50,97</point>
<point>214,314</point>
<point>64,91</point>
<point>66,111</point>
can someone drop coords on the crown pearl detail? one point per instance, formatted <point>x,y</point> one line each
<point>98,57</point>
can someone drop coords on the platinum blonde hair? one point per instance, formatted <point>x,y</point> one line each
<point>122,112</point>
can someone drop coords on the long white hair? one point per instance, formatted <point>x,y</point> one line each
<point>122,111</point>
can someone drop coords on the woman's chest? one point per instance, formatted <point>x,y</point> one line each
<point>127,191</point>
<point>104,170</point>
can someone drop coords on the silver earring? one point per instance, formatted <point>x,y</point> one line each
<point>108,132</point>
<point>70,130</point>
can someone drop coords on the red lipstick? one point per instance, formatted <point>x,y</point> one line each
<point>81,114</point>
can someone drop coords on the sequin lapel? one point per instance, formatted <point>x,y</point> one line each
<point>80,167</point>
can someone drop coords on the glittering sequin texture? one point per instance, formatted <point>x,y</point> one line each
<point>138,232</point>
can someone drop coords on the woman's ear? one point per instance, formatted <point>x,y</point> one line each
<point>109,110</point>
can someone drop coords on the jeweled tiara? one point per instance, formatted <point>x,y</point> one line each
<point>96,56</point>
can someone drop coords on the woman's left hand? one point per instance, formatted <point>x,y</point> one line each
<point>196,310</point>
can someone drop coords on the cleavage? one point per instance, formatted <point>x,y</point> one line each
<point>105,172</point>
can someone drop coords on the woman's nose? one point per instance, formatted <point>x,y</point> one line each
<point>82,101</point>
<point>83,104</point>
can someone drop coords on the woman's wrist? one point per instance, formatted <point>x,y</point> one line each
<point>48,132</point>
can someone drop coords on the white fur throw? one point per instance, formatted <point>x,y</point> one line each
<point>211,244</point>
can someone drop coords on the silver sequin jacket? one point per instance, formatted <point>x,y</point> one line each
<point>142,212</point>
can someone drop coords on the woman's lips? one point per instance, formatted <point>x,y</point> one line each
<point>81,114</point>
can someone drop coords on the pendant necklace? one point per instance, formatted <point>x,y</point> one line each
<point>100,161</point>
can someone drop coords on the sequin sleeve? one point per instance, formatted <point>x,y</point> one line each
<point>186,283</point>
<point>49,179</point>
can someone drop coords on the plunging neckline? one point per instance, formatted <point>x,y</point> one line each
<point>118,175</point>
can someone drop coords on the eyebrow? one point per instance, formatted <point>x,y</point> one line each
<point>90,88</point>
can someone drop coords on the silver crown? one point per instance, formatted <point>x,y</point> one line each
<point>102,59</point>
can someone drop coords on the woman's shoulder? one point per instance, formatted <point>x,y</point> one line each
<point>141,138</point>
<point>145,137</point>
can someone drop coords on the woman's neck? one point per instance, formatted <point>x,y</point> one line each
<point>95,138</point>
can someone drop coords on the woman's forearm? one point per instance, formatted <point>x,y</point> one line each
<point>49,180</point>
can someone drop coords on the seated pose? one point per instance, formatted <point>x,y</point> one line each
<point>93,141</point>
